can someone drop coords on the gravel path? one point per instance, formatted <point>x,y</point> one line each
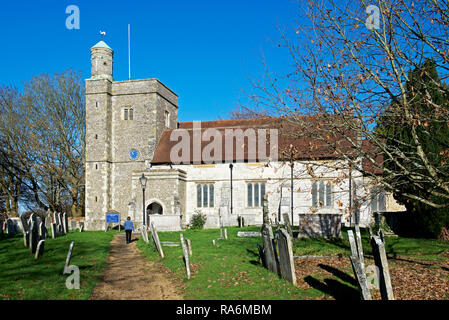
<point>129,276</point>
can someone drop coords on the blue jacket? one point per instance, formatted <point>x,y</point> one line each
<point>129,225</point>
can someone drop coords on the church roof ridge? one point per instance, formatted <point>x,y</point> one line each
<point>102,44</point>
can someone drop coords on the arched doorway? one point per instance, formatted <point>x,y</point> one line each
<point>154,208</point>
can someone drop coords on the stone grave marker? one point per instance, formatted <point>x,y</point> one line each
<point>380,259</point>
<point>73,224</point>
<point>34,237</point>
<point>11,228</point>
<point>24,222</point>
<point>65,223</point>
<point>144,233</point>
<point>213,242</point>
<point>189,246</point>
<point>361,278</point>
<point>170,244</point>
<point>69,256</point>
<point>26,239</point>
<point>186,255</point>
<point>288,226</point>
<point>54,232</point>
<point>248,234</point>
<point>269,249</point>
<point>157,243</point>
<point>226,234</point>
<point>39,249</point>
<point>286,264</point>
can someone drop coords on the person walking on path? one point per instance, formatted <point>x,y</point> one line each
<point>129,228</point>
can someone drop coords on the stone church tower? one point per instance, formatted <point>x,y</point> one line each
<point>124,121</point>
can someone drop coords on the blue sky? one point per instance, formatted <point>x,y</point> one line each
<point>205,51</point>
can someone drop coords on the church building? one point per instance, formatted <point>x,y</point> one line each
<point>142,163</point>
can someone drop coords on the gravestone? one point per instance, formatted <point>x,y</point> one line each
<point>65,223</point>
<point>11,228</point>
<point>34,237</point>
<point>25,225</point>
<point>380,259</point>
<point>26,239</point>
<point>287,224</point>
<point>69,256</point>
<point>186,255</point>
<point>156,241</point>
<point>269,249</point>
<point>144,233</point>
<point>286,264</point>
<point>248,234</point>
<point>189,246</point>
<point>361,278</point>
<point>73,224</point>
<point>170,244</point>
<point>54,232</point>
<point>39,249</point>
<point>226,234</point>
<point>213,242</point>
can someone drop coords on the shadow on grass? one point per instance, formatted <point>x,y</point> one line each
<point>339,274</point>
<point>255,254</point>
<point>334,288</point>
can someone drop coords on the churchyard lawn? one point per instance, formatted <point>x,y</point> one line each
<point>231,270</point>
<point>23,277</point>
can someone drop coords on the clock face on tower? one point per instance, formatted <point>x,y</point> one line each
<point>134,154</point>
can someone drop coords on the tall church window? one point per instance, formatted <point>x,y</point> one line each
<point>321,194</point>
<point>255,194</point>
<point>205,195</point>
<point>377,201</point>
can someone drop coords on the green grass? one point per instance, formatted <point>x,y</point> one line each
<point>233,270</point>
<point>229,271</point>
<point>23,277</point>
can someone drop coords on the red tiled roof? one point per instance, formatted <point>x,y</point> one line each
<point>304,136</point>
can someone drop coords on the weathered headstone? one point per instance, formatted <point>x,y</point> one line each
<point>288,226</point>
<point>269,248</point>
<point>11,228</point>
<point>26,239</point>
<point>286,264</point>
<point>144,233</point>
<point>65,223</point>
<point>380,259</point>
<point>226,234</point>
<point>39,249</point>
<point>24,222</point>
<point>353,245</point>
<point>189,246</point>
<point>248,234</point>
<point>170,244</point>
<point>69,256</point>
<point>186,255</point>
<point>34,237</point>
<point>358,241</point>
<point>54,231</point>
<point>213,242</point>
<point>361,278</point>
<point>157,243</point>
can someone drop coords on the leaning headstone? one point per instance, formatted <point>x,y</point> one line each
<point>358,241</point>
<point>361,278</point>
<point>189,246</point>
<point>186,255</point>
<point>157,243</point>
<point>269,248</point>
<point>288,226</point>
<point>69,256</point>
<point>353,245</point>
<point>380,259</point>
<point>286,264</point>
<point>39,249</point>
<point>144,233</point>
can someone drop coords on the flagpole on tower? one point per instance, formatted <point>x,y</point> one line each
<point>129,50</point>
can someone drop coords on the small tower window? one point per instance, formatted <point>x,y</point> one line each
<point>128,114</point>
<point>125,116</point>
<point>96,104</point>
<point>131,114</point>
<point>167,118</point>
<point>96,136</point>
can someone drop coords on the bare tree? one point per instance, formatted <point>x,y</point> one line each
<point>345,64</point>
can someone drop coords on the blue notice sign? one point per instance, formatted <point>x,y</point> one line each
<point>112,217</point>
